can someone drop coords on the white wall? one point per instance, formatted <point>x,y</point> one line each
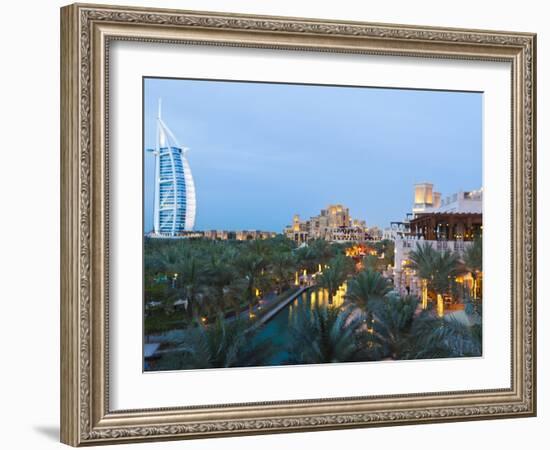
<point>29,288</point>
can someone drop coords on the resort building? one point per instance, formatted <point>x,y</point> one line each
<point>451,217</point>
<point>447,226</point>
<point>222,235</point>
<point>174,199</point>
<point>347,234</point>
<point>249,235</point>
<point>428,201</point>
<point>404,278</point>
<point>425,199</point>
<point>239,235</point>
<point>333,224</point>
<point>390,233</point>
<point>450,223</point>
<point>375,233</point>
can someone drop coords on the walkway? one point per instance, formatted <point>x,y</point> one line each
<point>276,309</point>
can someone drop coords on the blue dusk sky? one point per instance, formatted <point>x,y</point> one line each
<point>261,152</point>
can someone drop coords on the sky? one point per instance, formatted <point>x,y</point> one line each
<point>262,152</point>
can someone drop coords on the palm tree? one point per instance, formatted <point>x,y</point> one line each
<point>283,266</point>
<point>307,258</point>
<point>437,269</point>
<point>208,303</point>
<point>260,248</point>
<point>322,249</point>
<point>473,308</point>
<point>473,262</point>
<point>446,337</point>
<point>324,334</point>
<point>172,256</point>
<point>221,344</point>
<point>334,275</point>
<point>190,277</point>
<point>153,264</point>
<point>374,263</point>
<point>390,332</point>
<point>234,294</point>
<point>250,266</point>
<point>367,285</point>
<point>386,250</point>
<point>282,244</point>
<point>219,274</point>
<point>423,260</point>
<point>447,268</point>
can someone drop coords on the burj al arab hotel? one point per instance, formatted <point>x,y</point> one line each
<point>174,204</point>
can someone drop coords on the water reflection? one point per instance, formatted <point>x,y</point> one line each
<point>277,329</point>
<point>318,296</point>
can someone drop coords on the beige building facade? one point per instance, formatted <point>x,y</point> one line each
<point>333,224</point>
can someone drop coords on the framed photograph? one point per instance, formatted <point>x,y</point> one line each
<point>275,224</point>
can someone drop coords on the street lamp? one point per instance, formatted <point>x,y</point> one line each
<point>174,278</point>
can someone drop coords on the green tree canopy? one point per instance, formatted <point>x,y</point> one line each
<point>438,267</point>
<point>323,334</point>
<point>366,286</point>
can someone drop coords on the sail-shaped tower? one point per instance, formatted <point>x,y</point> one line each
<point>175,203</point>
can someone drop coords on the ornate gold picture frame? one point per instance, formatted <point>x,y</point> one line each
<point>87,32</point>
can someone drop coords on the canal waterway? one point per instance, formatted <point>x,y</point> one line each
<point>277,330</point>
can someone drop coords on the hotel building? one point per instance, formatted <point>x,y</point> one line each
<point>449,223</point>
<point>239,235</point>
<point>174,199</point>
<point>333,224</point>
<point>220,235</point>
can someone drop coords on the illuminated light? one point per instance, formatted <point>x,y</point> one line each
<point>305,272</point>
<point>440,306</point>
<point>251,315</point>
<point>424,294</point>
<point>296,281</point>
<point>257,292</point>
<point>203,319</point>
<point>319,268</point>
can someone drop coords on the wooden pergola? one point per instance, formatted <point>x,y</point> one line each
<point>447,226</point>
